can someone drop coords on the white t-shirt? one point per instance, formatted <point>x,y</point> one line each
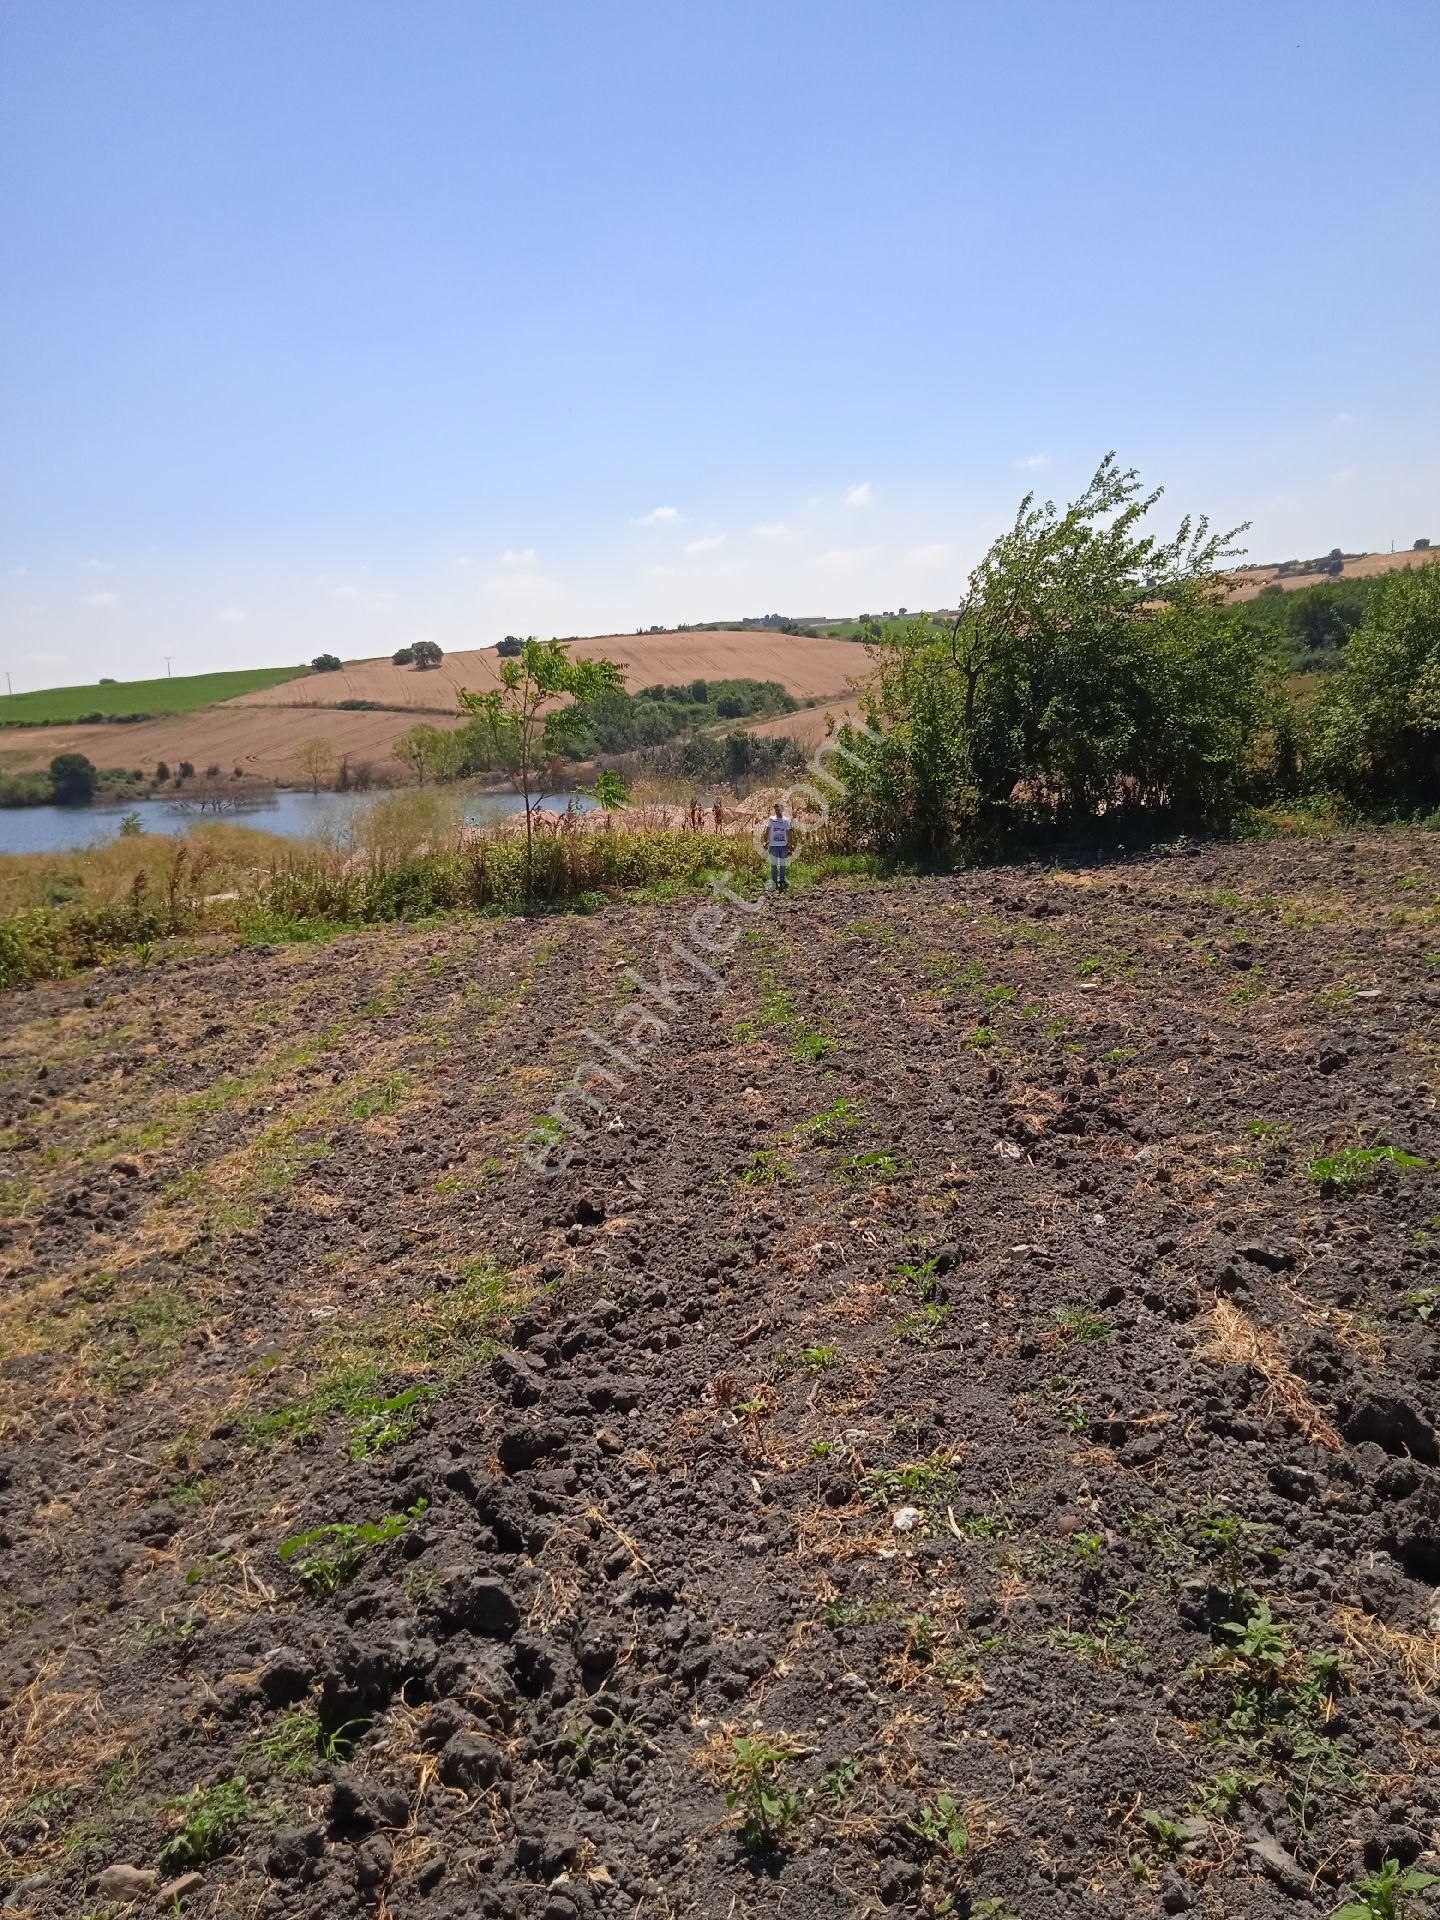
<point>779,835</point>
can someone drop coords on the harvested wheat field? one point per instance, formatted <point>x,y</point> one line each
<point>261,734</point>
<point>1248,581</point>
<point>805,667</point>
<point>959,1437</point>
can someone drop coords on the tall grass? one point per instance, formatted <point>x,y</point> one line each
<point>408,857</point>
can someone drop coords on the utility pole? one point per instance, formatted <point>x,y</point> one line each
<point>168,674</point>
<point>8,687</point>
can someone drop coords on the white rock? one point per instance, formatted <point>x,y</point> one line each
<point>907,1519</point>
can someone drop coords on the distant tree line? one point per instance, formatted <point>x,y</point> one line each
<point>610,722</point>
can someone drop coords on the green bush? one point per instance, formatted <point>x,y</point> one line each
<point>1092,671</point>
<point>1378,728</point>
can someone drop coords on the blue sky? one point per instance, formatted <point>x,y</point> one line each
<point>340,325</point>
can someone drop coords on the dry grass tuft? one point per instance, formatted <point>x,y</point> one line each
<point>1238,1342</point>
<point>1376,1644</point>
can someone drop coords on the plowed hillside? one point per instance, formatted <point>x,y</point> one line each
<point>807,667</point>
<point>1250,580</point>
<point>227,736</point>
<point>260,733</point>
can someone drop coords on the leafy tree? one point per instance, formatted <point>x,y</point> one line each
<point>523,718</point>
<point>699,691</point>
<point>1090,667</point>
<point>427,653</point>
<point>403,657</point>
<point>326,663</point>
<point>186,770</point>
<point>162,770</point>
<point>72,779</point>
<point>431,753</point>
<point>1379,721</point>
<point>315,761</point>
<point>510,647</point>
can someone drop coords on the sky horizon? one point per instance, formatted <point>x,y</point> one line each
<point>338,328</point>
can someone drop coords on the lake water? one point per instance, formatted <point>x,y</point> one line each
<point>60,829</point>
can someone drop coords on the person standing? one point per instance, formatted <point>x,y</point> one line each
<point>778,837</point>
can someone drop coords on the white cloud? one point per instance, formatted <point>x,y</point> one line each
<point>1342,476</point>
<point>231,616</point>
<point>1343,419</point>
<point>464,560</point>
<point>843,559</point>
<point>100,600</point>
<point>658,515</point>
<point>1032,462</point>
<point>938,553</point>
<point>860,495</point>
<point>346,592</point>
<point>707,543</point>
<point>772,530</point>
<point>523,559</point>
<point>98,566</point>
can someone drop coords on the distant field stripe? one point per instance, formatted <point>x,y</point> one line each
<point>182,694</point>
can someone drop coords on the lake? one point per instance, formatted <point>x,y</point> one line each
<point>60,829</point>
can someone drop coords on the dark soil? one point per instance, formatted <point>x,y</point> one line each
<point>993,1199</point>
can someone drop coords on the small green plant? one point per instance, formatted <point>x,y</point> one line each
<point>829,1128</point>
<point>211,1823</point>
<point>1166,1834</point>
<point>1356,1167</point>
<point>875,1165</point>
<point>1266,1131</point>
<point>765,1169</point>
<point>1425,1301</point>
<point>939,1825</point>
<point>1088,1548</point>
<point>1219,1798</point>
<point>770,1810</point>
<point>838,1782</point>
<point>1384,1895</point>
<point>328,1558</point>
<point>1262,1643</point>
<point>1120,1056</point>
<point>924,1324</point>
<point>1078,1323</point>
<point>820,1359</point>
<point>922,1482</point>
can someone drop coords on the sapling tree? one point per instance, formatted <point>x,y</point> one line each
<point>534,714</point>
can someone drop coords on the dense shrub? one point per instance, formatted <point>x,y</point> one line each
<point>1092,669</point>
<point>1378,727</point>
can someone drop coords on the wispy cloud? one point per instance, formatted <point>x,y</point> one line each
<point>99,566</point>
<point>860,495</point>
<point>657,516</point>
<point>525,559</point>
<point>100,600</point>
<point>232,616</point>
<point>843,559</point>
<point>772,530</point>
<point>1342,476</point>
<point>1032,462</point>
<point>707,543</point>
<point>937,553</point>
<point>1343,419</point>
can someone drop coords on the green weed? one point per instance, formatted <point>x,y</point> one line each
<point>212,1820</point>
<point>1356,1167</point>
<point>328,1558</point>
<point>770,1810</point>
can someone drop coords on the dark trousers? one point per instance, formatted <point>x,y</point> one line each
<point>778,863</point>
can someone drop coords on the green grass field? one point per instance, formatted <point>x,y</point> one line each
<point>183,694</point>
